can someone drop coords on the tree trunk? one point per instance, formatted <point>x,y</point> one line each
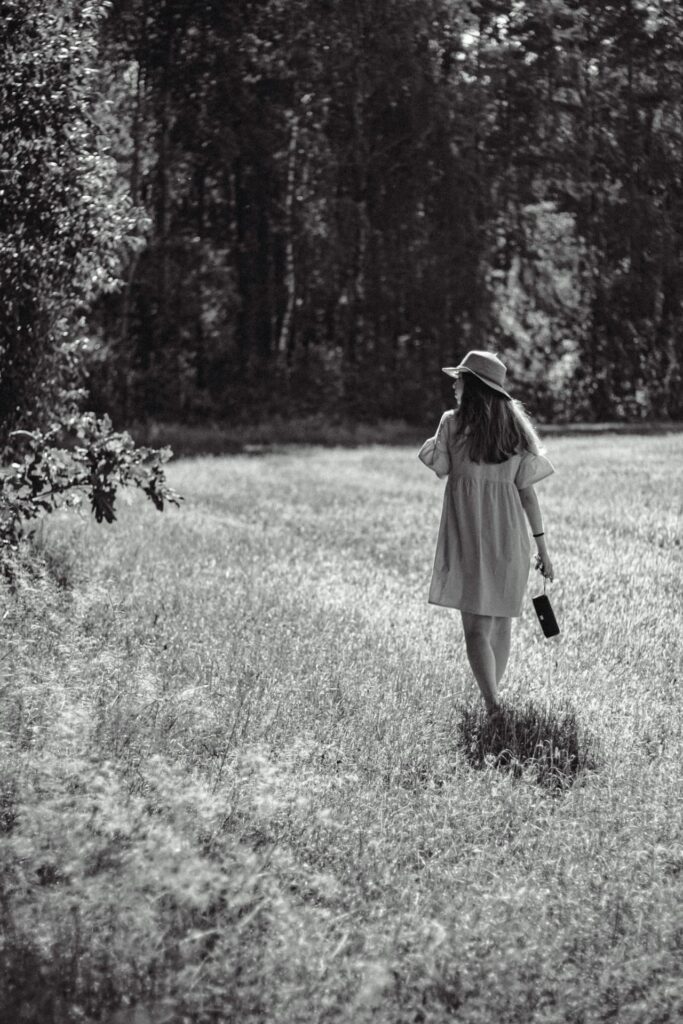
<point>284,340</point>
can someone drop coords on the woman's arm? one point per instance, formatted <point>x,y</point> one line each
<point>434,452</point>
<point>442,462</point>
<point>533,513</point>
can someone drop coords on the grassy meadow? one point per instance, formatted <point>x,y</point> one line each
<point>235,782</point>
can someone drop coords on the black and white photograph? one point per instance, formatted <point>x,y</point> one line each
<point>341,512</point>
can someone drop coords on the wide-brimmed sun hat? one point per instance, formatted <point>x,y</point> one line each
<point>483,365</point>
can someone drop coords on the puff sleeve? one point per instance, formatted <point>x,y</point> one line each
<point>532,468</point>
<point>434,452</point>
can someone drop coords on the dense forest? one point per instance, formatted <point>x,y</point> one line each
<point>231,209</point>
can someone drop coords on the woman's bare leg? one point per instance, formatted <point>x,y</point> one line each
<point>481,655</point>
<point>500,642</point>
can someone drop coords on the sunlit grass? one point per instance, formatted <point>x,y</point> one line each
<point>237,774</point>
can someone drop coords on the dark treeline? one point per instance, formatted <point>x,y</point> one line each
<point>340,197</point>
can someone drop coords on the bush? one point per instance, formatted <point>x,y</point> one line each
<point>66,220</point>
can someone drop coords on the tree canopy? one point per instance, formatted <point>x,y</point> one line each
<point>342,197</point>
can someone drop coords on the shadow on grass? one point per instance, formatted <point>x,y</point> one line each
<point>546,741</point>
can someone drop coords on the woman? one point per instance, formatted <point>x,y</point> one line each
<point>491,454</point>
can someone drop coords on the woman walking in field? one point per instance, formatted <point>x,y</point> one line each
<point>490,453</point>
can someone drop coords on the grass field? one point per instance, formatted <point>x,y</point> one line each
<point>235,782</point>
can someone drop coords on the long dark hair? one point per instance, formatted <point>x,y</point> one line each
<point>491,426</point>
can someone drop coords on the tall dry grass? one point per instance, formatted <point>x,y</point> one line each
<point>243,776</point>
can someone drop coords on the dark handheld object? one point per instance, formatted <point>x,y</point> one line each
<point>545,613</point>
<point>546,616</point>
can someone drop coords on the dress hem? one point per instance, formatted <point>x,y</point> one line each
<point>471,611</point>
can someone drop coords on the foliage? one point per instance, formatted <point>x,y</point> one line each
<point>541,310</point>
<point>65,216</point>
<point>342,194</point>
<point>95,467</point>
<point>337,194</point>
<point>269,228</point>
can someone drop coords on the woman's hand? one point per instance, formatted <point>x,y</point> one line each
<point>544,566</point>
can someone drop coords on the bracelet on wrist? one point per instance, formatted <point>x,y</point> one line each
<point>541,534</point>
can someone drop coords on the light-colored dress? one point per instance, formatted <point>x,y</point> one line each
<point>483,547</point>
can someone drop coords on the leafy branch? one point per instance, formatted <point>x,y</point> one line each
<point>98,462</point>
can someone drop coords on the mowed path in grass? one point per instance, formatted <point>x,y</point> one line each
<point>269,653</point>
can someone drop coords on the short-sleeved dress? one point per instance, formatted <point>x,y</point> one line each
<point>483,547</point>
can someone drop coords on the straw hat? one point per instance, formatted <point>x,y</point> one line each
<point>485,366</point>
